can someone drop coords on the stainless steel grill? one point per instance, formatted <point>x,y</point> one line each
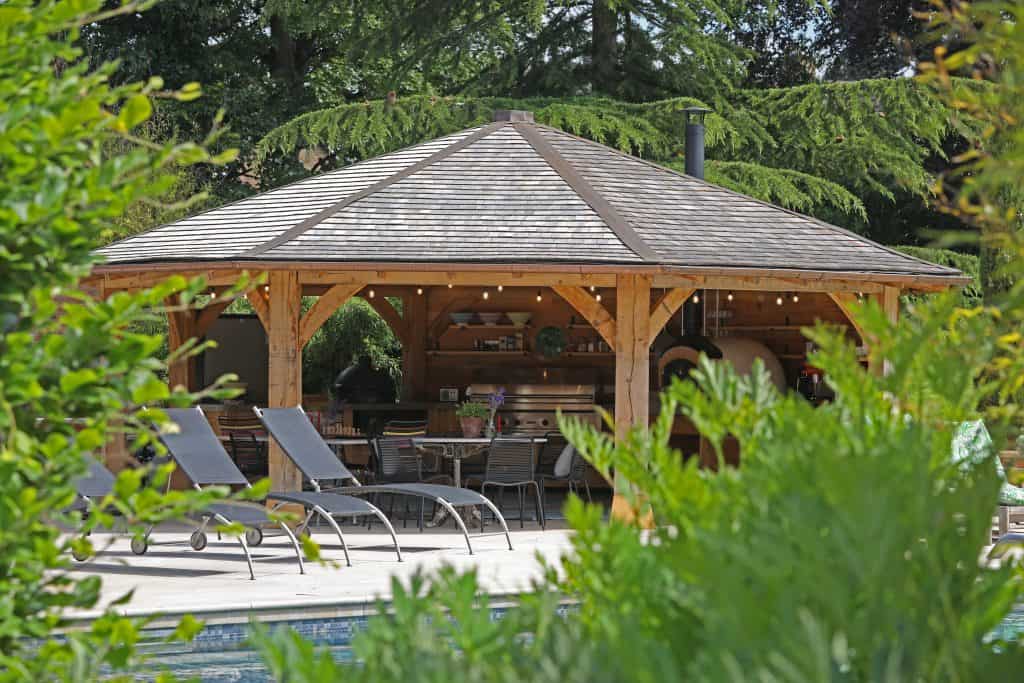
<point>532,408</point>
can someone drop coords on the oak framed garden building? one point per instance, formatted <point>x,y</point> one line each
<point>515,216</point>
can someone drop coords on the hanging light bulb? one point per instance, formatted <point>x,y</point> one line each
<point>729,297</point>
<point>597,297</point>
<point>372,293</point>
<point>419,291</point>
<point>450,285</point>
<point>796,298</point>
<point>696,298</point>
<point>266,289</point>
<point>593,289</point>
<point>778,300</point>
<point>540,297</point>
<point>501,288</point>
<point>486,295</point>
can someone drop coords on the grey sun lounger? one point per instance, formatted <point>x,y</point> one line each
<point>293,431</point>
<point>200,453</point>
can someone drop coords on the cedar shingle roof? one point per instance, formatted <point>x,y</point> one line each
<point>513,192</point>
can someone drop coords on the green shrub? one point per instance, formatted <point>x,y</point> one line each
<point>74,370</point>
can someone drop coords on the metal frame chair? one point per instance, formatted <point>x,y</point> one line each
<point>307,449</point>
<point>577,469</point>
<point>511,464</point>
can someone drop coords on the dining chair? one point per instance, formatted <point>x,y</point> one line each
<point>249,454</point>
<point>550,470</point>
<point>511,464</point>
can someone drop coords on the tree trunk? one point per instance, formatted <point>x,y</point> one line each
<point>603,35</point>
<point>285,65</point>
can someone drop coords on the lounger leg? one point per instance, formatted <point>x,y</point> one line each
<point>245,547</point>
<point>391,529</point>
<point>295,545</point>
<point>337,529</point>
<point>458,520</point>
<point>501,519</point>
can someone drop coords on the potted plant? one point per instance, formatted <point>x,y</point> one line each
<point>471,416</point>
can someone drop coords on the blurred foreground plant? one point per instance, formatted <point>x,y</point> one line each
<point>74,370</point>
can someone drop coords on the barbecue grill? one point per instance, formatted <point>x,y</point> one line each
<point>531,409</point>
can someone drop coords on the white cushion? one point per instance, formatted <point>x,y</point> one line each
<point>564,462</point>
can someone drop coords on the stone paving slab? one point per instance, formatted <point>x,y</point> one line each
<point>173,579</point>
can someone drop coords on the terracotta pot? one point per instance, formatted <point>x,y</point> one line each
<point>471,426</point>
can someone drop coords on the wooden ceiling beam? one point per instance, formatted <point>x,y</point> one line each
<point>457,278</point>
<point>591,309</point>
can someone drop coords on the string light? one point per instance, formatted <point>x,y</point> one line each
<point>540,297</point>
<point>796,298</point>
<point>593,289</point>
<point>450,285</point>
<point>501,288</point>
<point>372,293</point>
<point>419,291</point>
<point>696,298</point>
<point>597,297</point>
<point>729,296</point>
<point>266,288</point>
<point>486,295</point>
<point>778,300</point>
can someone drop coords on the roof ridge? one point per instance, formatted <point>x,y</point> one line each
<point>826,224</point>
<point>296,230</point>
<point>615,221</point>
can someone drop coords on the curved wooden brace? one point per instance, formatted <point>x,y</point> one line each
<point>386,310</point>
<point>847,301</point>
<point>666,307</point>
<point>259,304</point>
<point>325,306</point>
<point>591,309</point>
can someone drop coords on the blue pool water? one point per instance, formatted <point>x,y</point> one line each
<point>220,653</point>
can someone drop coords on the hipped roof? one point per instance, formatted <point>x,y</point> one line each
<point>516,192</point>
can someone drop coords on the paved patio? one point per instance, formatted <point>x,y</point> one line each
<point>214,583</point>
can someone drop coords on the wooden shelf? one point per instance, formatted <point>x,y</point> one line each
<point>472,353</point>
<point>484,327</point>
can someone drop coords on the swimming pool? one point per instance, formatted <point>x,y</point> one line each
<point>221,654</point>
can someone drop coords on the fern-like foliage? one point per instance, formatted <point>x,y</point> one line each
<point>791,189</point>
<point>817,149</point>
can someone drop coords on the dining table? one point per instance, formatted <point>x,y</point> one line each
<point>458,448</point>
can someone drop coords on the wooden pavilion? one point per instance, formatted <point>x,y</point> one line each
<point>512,208</point>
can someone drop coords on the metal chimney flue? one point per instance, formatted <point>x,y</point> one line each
<point>695,141</point>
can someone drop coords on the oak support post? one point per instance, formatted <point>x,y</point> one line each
<point>284,308</point>
<point>414,348</point>
<point>181,326</point>
<point>632,367</point>
<point>890,300</point>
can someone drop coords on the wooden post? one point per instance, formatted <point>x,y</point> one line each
<point>180,328</point>
<point>414,348</point>
<point>285,381</point>
<point>632,364</point>
<point>891,306</point>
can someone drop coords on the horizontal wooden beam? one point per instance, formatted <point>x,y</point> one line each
<point>129,276</point>
<point>591,309</point>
